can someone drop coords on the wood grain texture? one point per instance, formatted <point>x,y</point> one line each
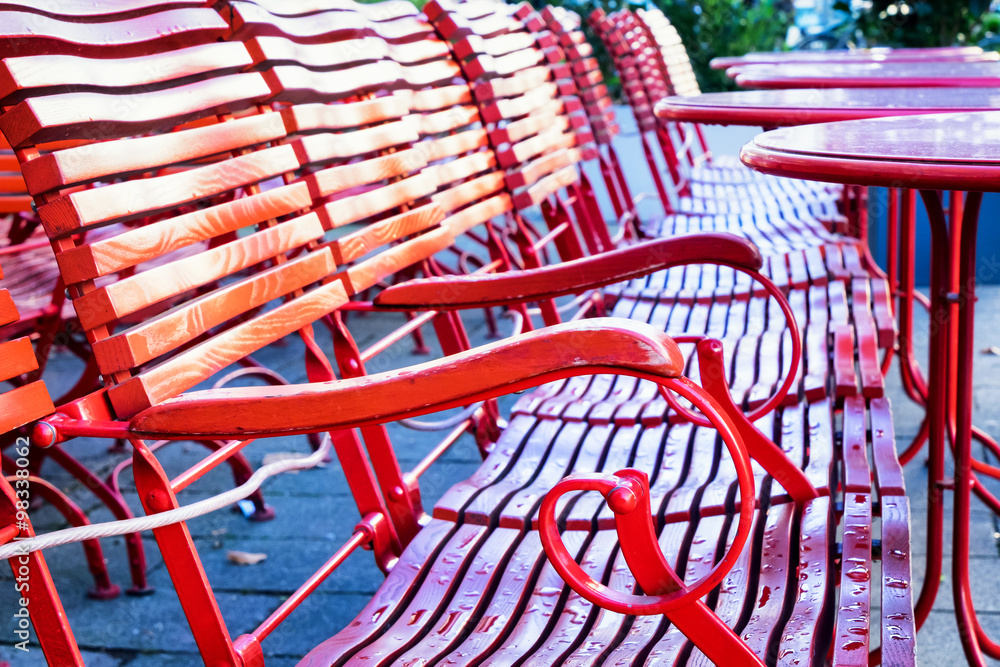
<point>384,11</point>
<point>325,147</point>
<point>134,246</point>
<point>540,190</point>
<point>455,144</point>
<point>274,51</point>
<point>130,199</point>
<point>59,117</point>
<point>159,335</point>
<point>517,84</point>
<point>542,119</point>
<point>369,272</point>
<point>23,405</point>
<point>537,169</point>
<point>94,161</point>
<point>292,83</point>
<point>34,34</point>
<point>44,74</point>
<point>250,20</point>
<point>313,117</point>
<point>186,370</point>
<point>16,358</point>
<point>357,244</point>
<point>458,196</point>
<point>462,168</point>
<point>479,213</point>
<point>344,177</point>
<point>129,295</point>
<point>340,212</point>
<point>441,97</point>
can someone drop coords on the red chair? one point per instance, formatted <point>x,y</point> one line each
<point>471,584</point>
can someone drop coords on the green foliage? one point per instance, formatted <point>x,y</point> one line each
<point>924,23</point>
<point>712,28</point>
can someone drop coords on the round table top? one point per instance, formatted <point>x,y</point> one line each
<point>872,75</point>
<point>970,53</point>
<point>957,151</point>
<point>780,108</point>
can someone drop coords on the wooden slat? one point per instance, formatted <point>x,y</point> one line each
<point>59,117</point>
<point>321,148</point>
<point>188,369</point>
<point>281,51</point>
<point>303,118</point>
<point>23,405</point>
<point>91,162</point>
<point>340,212</point>
<point>250,20</point>
<point>50,73</point>
<point>343,177</point>
<point>157,336</point>
<point>129,295</point>
<point>130,199</point>
<point>360,243</point>
<point>458,196</point>
<point>369,272</point>
<point>292,83</point>
<point>134,246</point>
<point>174,28</point>
<point>477,214</point>
<point>16,358</point>
<point>534,195</point>
<point>383,11</point>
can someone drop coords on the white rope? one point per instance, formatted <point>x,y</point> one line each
<point>126,526</point>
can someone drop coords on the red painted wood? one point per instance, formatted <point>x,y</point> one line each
<point>898,628</point>
<point>581,274</point>
<point>805,635</point>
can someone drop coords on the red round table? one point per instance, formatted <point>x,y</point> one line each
<point>779,108</point>
<point>872,75</point>
<point>775,108</point>
<point>968,53</point>
<point>928,153</point>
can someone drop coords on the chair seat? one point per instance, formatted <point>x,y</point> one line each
<point>476,588</point>
<point>823,211</point>
<point>718,184</point>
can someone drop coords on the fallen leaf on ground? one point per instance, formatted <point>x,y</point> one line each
<point>245,557</point>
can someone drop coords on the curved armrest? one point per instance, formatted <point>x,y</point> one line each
<point>574,276</point>
<point>600,345</point>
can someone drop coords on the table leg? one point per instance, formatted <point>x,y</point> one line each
<point>968,623</point>
<point>914,383</point>
<point>937,412</point>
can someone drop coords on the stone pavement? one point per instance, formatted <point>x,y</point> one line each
<point>315,515</point>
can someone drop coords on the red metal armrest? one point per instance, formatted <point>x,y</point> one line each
<point>573,276</point>
<point>600,345</point>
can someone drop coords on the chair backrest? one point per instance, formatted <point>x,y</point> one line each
<point>19,406</point>
<point>670,51</point>
<point>565,25</point>
<point>531,108</point>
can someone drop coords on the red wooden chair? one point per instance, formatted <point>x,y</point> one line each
<point>715,190</point>
<point>39,600</point>
<point>472,584</point>
<point>100,306</point>
<point>137,30</point>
